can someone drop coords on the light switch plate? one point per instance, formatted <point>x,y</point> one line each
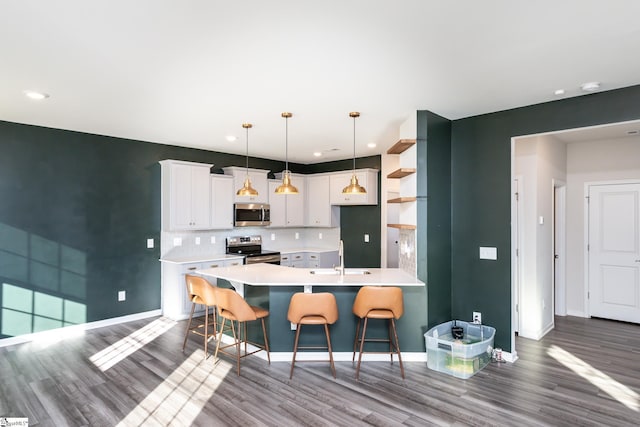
<point>488,253</point>
<point>213,240</point>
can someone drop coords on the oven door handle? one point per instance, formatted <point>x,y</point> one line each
<point>264,258</point>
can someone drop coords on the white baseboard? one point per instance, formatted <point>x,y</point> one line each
<point>60,333</point>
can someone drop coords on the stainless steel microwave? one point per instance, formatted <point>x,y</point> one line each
<point>251,214</point>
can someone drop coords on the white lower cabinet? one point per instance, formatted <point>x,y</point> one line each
<point>310,259</point>
<point>175,301</point>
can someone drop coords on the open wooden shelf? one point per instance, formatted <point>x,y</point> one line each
<point>401,173</point>
<point>401,146</point>
<point>402,200</point>
<point>402,226</point>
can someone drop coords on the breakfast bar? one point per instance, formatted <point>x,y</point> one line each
<point>271,286</point>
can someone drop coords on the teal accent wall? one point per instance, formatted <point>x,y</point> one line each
<point>481,187</point>
<point>433,234</point>
<point>76,211</point>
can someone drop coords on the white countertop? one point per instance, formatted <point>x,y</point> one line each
<point>298,250</point>
<point>189,259</point>
<point>276,275</point>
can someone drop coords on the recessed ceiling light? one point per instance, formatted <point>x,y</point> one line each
<point>590,87</point>
<point>371,145</point>
<point>317,154</point>
<point>38,96</point>
<point>559,92</point>
<point>231,138</point>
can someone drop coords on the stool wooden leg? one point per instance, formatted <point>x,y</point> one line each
<point>295,349</point>
<point>266,340</point>
<point>333,368</point>
<point>206,332</point>
<point>364,332</point>
<point>186,334</point>
<point>397,345</point>
<point>218,340</point>
<point>355,341</point>
<point>237,342</point>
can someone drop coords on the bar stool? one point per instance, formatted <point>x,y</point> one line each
<point>378,302</point>
<point>313,309</point>
<point>234,308</point>
<point>200,292</point>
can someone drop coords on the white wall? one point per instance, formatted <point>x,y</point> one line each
<point>602,160</point>
<point>539,161</point>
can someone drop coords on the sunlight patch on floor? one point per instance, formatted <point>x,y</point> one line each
<point>179,399</point>
<point>604,382</point>
<point>120,350</point>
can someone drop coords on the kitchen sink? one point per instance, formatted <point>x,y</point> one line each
<point>333,272</point>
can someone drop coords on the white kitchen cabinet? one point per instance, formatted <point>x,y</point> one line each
<point>294,259</point>
<point>298,259</point>
<point>222,201</point>
<point>318,209</point>
<point>287,210</point>
<point>175,301</point>
<point>322,259</point>
<point>368,178</point>
<point>186,195</point>
<point>258,179</point>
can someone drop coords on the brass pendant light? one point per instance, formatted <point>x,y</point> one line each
<point>354,187</point>
<point>247,189</point>
<point>286,187</point>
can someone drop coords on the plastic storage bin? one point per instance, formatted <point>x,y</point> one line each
<point>461,358</point>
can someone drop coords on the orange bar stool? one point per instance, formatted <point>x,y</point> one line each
<point>313,309</point>
<point>237,311</point>
<point>201,292</point>
<point>378,302</point>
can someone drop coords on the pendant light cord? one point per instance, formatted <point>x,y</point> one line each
<point>286,143</point>
<point>247,157</point>
<point>354,145</point>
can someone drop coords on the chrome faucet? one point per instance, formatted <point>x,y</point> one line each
<point>341,256</point>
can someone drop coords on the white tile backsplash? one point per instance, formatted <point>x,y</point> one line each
<point>407,257</point>
<point>213,242</point>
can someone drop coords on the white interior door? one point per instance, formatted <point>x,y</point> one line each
<point>614,251</point>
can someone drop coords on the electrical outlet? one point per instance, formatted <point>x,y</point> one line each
<point>319,236</point>
<point>122,295</point>
<point>297,236</point>
<point>150,243</point>
<point>197,240</point>
<point>477,317</point>
<point>293,326</point>
<point>213,240</point>
<point>273,236</point>
<point>366,238</point>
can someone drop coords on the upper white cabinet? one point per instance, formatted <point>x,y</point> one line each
<point>291,204</point>
<point>186,195</point>
<point>258,179</point>
<point>222,201</point>
<point>368,178</point>
<point>287,210</point>
<point>318,209</point>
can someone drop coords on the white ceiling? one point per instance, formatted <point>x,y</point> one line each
<point>191,72</point>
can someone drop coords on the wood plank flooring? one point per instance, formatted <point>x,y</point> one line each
<point>56,384</point>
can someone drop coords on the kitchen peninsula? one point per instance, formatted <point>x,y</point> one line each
<point>271,287</point>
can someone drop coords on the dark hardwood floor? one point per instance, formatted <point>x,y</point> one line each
<point>585,372</point>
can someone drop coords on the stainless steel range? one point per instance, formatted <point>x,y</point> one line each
<point>251,248</point>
